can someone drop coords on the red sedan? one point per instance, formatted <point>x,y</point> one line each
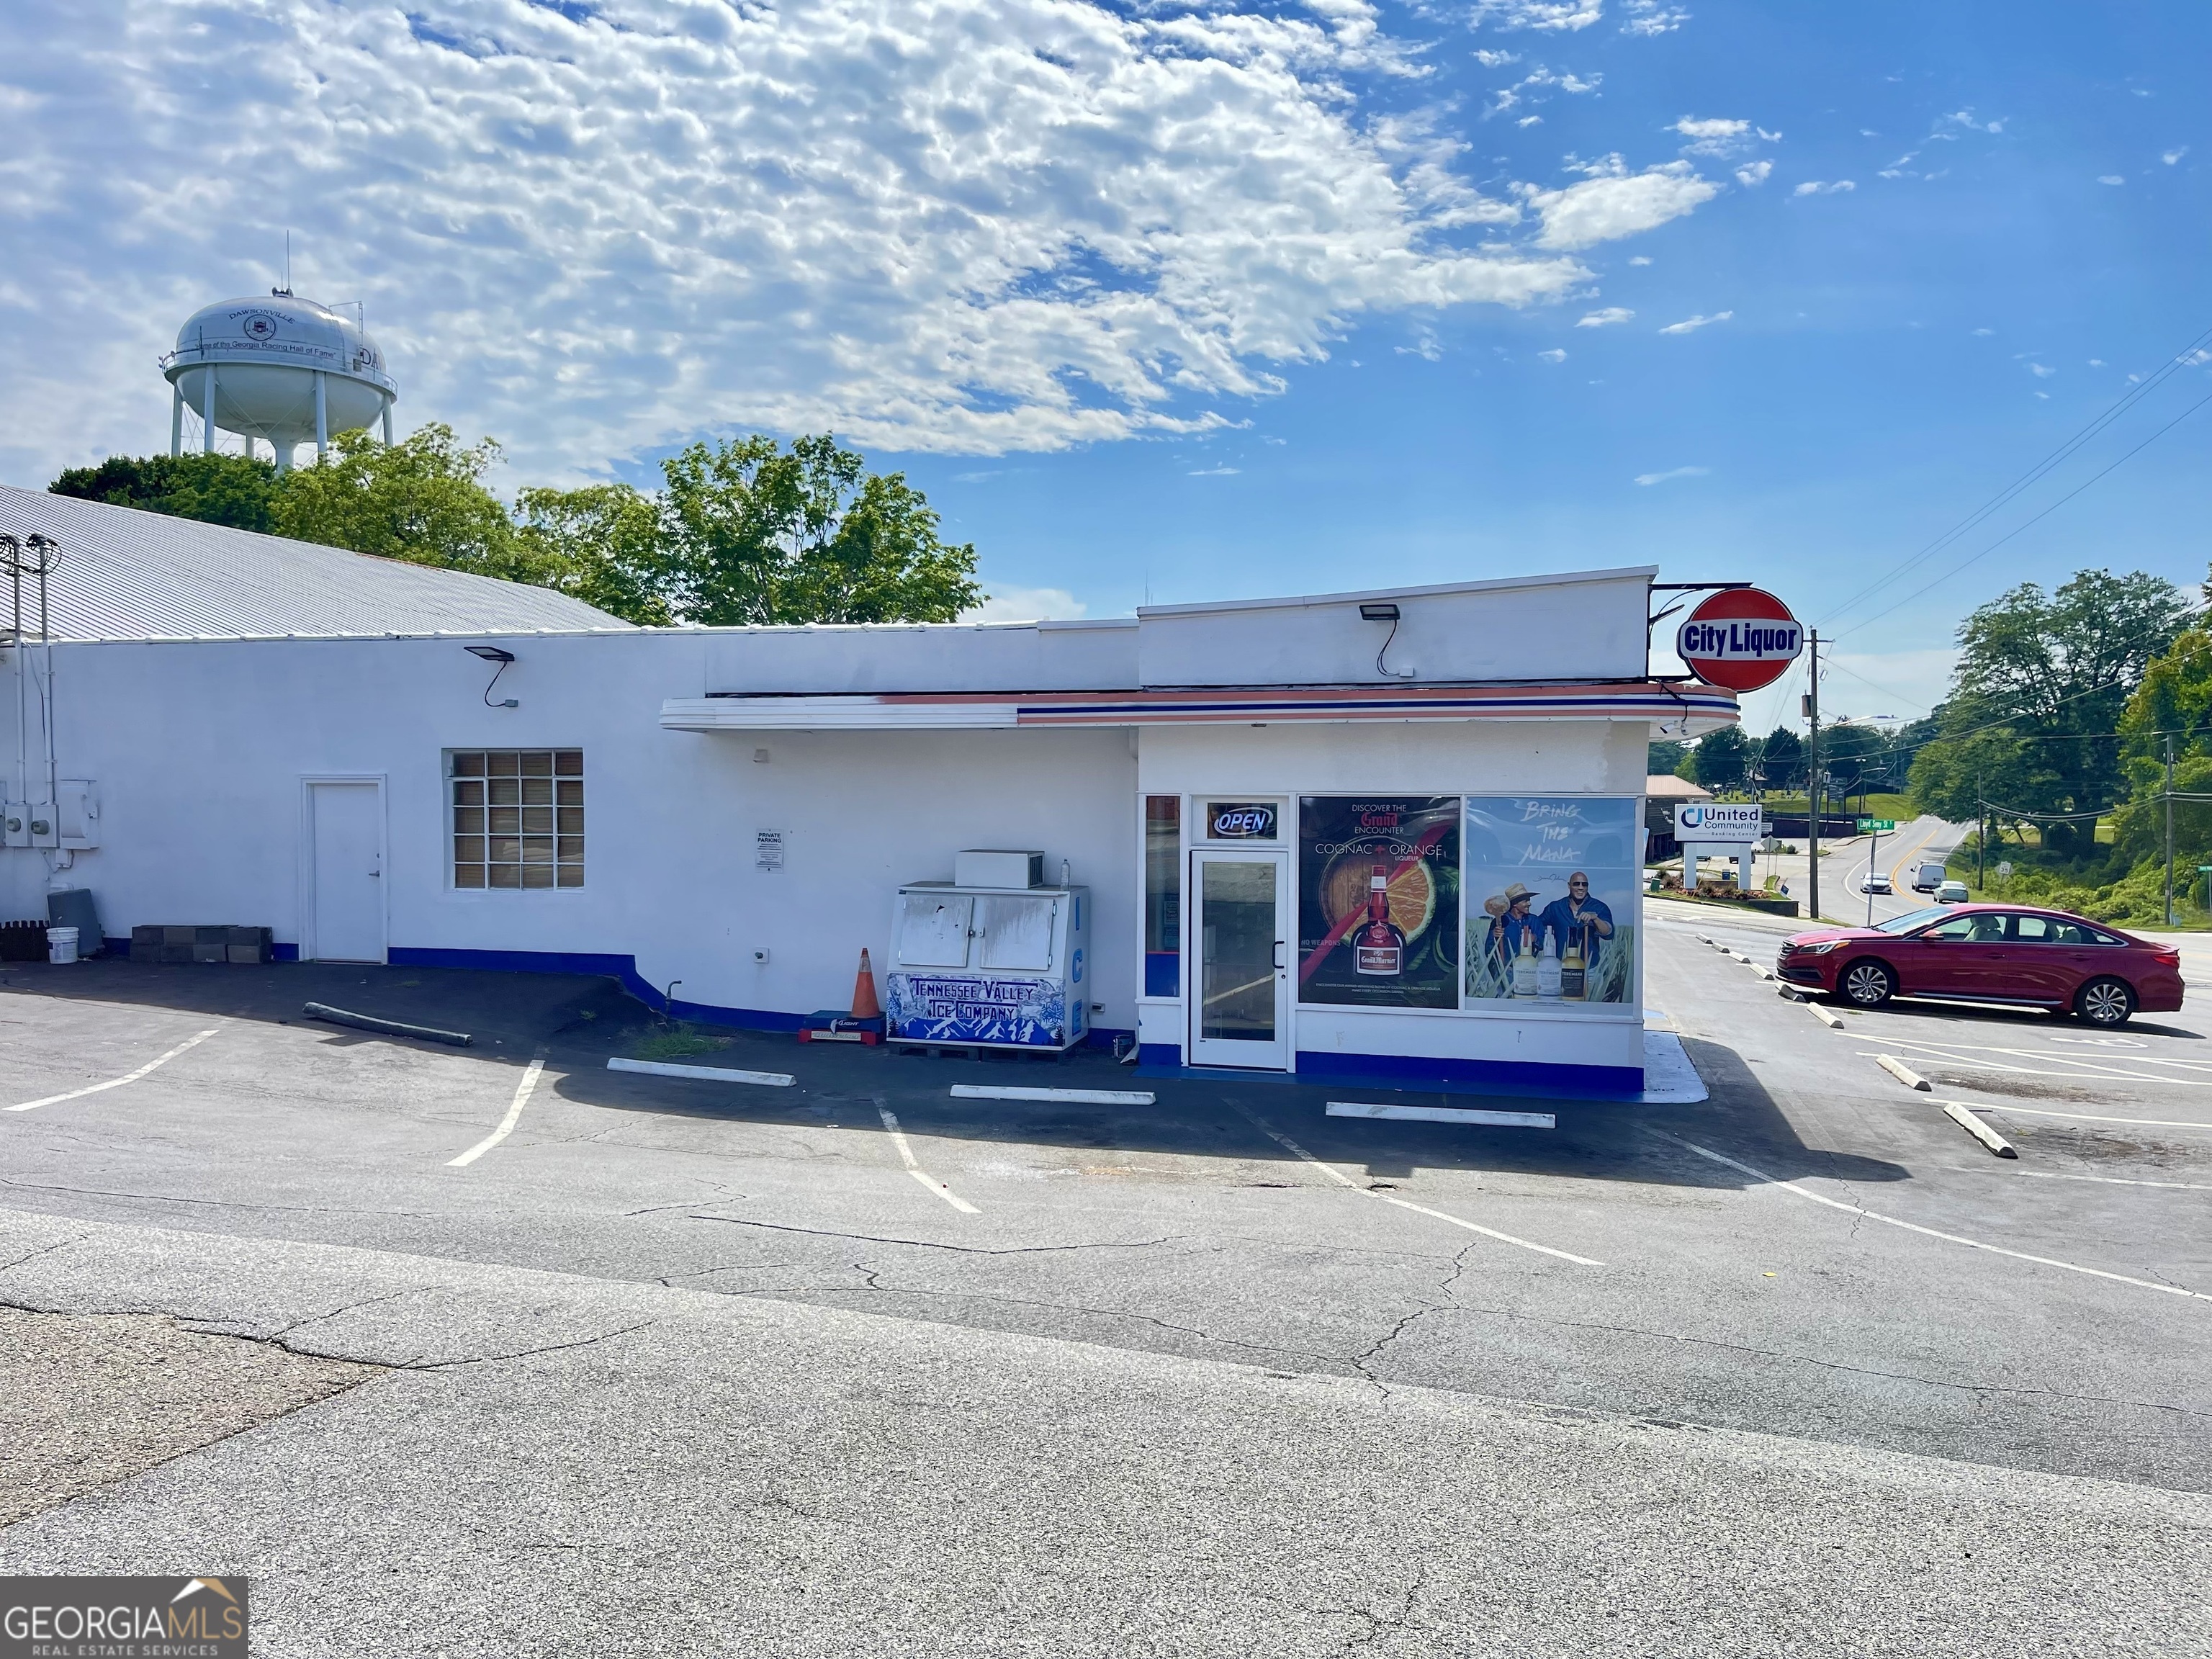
<point>1990,953</point>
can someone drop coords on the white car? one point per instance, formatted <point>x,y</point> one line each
<point>1951,892</point>
<point>1875,882</point>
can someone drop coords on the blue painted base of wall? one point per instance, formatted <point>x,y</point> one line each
<point>283,953</point>
<point>622,968</point>
<point>1523,1080</point>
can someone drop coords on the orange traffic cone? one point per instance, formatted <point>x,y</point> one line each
<point>865,1005</point>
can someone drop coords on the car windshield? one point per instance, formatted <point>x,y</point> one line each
<point>1911,919</point>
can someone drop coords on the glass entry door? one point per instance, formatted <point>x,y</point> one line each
<point>1240,990</point>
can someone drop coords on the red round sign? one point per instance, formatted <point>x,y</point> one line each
<point>1740,639</point>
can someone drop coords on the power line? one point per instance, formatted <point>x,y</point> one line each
<point>2178,361</point>
<point>2038,519</point>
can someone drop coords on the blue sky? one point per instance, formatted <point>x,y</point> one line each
<point>1198,302</point>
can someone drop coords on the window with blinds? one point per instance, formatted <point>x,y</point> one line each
<point>518,817</point>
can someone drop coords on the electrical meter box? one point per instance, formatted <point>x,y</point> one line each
<point>992,966</point>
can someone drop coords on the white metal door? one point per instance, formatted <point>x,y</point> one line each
<point>345,840</point>
<point>1240,990</point>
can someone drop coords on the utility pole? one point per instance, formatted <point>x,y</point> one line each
<point>1813,780</point>
<point>2169,829</point>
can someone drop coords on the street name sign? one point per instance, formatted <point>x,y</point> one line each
<point>1876,826</point>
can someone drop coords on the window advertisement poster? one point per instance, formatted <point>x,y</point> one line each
<point>1378,900</point>
<point>1551,898</point>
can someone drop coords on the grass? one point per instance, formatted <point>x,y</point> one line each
<point>1900,807</point>
<point>679,1042</point>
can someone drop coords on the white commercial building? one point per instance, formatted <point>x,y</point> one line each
<point>1392,836</point>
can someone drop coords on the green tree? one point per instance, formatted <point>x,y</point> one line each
<point>1664,756</point>
<point>1721,758</point>
<point>422,499</point>
<point>600,544</point>
<point>2041,683</point>
<point>225,490</point>
<point>752,533</point>
<point>1781,759</point>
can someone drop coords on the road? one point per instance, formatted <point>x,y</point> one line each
<point>856,1367</point>
<point>1845,863</point>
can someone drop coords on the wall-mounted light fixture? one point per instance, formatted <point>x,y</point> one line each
<point>1385,611</point>
<point>493,653</point>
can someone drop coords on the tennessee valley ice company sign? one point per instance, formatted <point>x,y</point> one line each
<point>1740,639</point>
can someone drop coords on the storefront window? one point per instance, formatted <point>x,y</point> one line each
<point>1551,898</point>
<point>1163,895</point>
<point>1378,900</point>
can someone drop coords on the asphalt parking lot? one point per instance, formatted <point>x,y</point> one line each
<point>1815,1262</point>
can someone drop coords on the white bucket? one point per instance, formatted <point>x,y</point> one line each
<point>61,944</point>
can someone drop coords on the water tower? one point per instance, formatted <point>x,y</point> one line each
<point>282,368</point>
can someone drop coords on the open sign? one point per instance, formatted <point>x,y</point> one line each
<point>1240,821</point>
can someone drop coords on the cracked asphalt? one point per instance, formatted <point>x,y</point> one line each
<point>680,1366</point>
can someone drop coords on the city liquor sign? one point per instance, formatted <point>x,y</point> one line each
<point>1740,639</point>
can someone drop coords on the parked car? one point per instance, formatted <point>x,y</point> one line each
<point>1875,881</point>
<point>1928,877</point>
<point>1998,953</point>
<point>1951,892</point>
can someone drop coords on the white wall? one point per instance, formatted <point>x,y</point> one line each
<point>199,751</point>
<point>877,658</point>
<point>1549,627</point>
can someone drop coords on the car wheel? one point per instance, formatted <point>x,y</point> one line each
<point>1867,983</point>
<point>2104,1002</point>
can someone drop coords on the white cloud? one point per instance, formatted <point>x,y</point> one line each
<point>1606,318</point>
<point>1551,14</point>
<point>1490,59</point>
<point>2173,155</point>
<point>1612,202</point>
<point>978,226</point>
<point>1820,187</point>
<point>1529,121</point>
<point>1005,604</point>
<point>1985,330</point>
<point>2041,371</point>
<point>1652,17</point>
<point>1691,325</point>
<point>1554,355</point>
<point>1753,172</point>
<point>1639,258</point>
<point>1217,472</point>
<point>1965,117</point>
<point>2096,362</point>
<point>2110,179</point>
<point>1647,479</point>
<point>1541,79</point>
<point>1711,134</point>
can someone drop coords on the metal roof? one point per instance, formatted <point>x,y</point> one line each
<point>121,573</point>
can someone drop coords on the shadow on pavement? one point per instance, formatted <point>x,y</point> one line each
<point>581,1020</point>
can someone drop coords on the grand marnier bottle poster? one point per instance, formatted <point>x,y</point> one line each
<point>1378,900</point>
<point>1551,898</point>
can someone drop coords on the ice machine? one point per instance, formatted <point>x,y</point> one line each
<point>992,966</point>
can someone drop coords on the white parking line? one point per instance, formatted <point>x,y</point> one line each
<point>118,1082</point>
<point>2108,1181</point>
<point>2007,1110</point>
<point>906,1156</point>
<point>1791,1187</point>
<point>1957,1053</point>
<point>1343,1180</point>
<point>522,1092</point>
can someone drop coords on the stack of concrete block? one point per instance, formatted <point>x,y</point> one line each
<point>245,945</point>
<point>23,941</point>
